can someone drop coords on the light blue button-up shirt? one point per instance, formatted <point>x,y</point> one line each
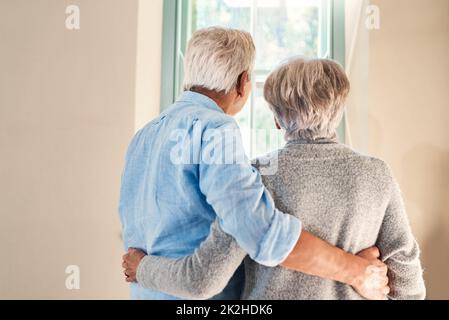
<point>177,181</point>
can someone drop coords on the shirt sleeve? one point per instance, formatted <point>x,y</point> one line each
<point>400,251</point>
<point>201,275</point>
<point>244,207</point>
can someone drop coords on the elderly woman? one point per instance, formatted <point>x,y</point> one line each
<point>346,198</point>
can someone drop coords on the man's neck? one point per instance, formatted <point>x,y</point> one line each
<point>224,101</point>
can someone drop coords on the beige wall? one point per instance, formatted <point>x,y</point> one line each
<point>68,108</point>
<point>71,100</point>
<point>399,111</point>
<point>148,64</point>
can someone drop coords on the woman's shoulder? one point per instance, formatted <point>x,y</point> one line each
<point>351,162</point>
<point>372,165</point>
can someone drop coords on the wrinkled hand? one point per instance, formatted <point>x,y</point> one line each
<point>130,263</point>
<point>373,284</point>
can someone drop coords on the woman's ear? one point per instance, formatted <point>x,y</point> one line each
<point>241,84</point>
<point>277,124</point>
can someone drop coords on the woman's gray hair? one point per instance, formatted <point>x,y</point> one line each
<point>216,57</point>
<point>307,97</point>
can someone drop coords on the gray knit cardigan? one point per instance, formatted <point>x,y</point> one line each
<point>348,199</point>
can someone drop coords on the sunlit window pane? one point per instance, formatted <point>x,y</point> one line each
<point>226,13</point>
<point>281,29</point>
<point>282,32</point>
<point>266,137</point>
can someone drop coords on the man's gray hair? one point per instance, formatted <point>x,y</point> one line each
<point>216,57</point>
<point>307,97</point>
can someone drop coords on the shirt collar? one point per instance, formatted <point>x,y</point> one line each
<point>199,99</point>
<point>333,140</point>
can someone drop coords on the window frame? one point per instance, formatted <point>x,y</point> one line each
<point>176,29</point>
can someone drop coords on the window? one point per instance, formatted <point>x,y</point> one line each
<point>280,28</point>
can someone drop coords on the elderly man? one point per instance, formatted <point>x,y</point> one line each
<point>177,180</point>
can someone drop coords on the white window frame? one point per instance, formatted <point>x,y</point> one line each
<point>177,28</point>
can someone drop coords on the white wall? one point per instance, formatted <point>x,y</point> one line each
<point>68,108</point>
<point>357,67</point>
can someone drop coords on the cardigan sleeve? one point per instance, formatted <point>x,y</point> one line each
<point>201,275</point>
<point>400,251</point>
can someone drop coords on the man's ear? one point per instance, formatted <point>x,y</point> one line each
<point>241,83</point>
